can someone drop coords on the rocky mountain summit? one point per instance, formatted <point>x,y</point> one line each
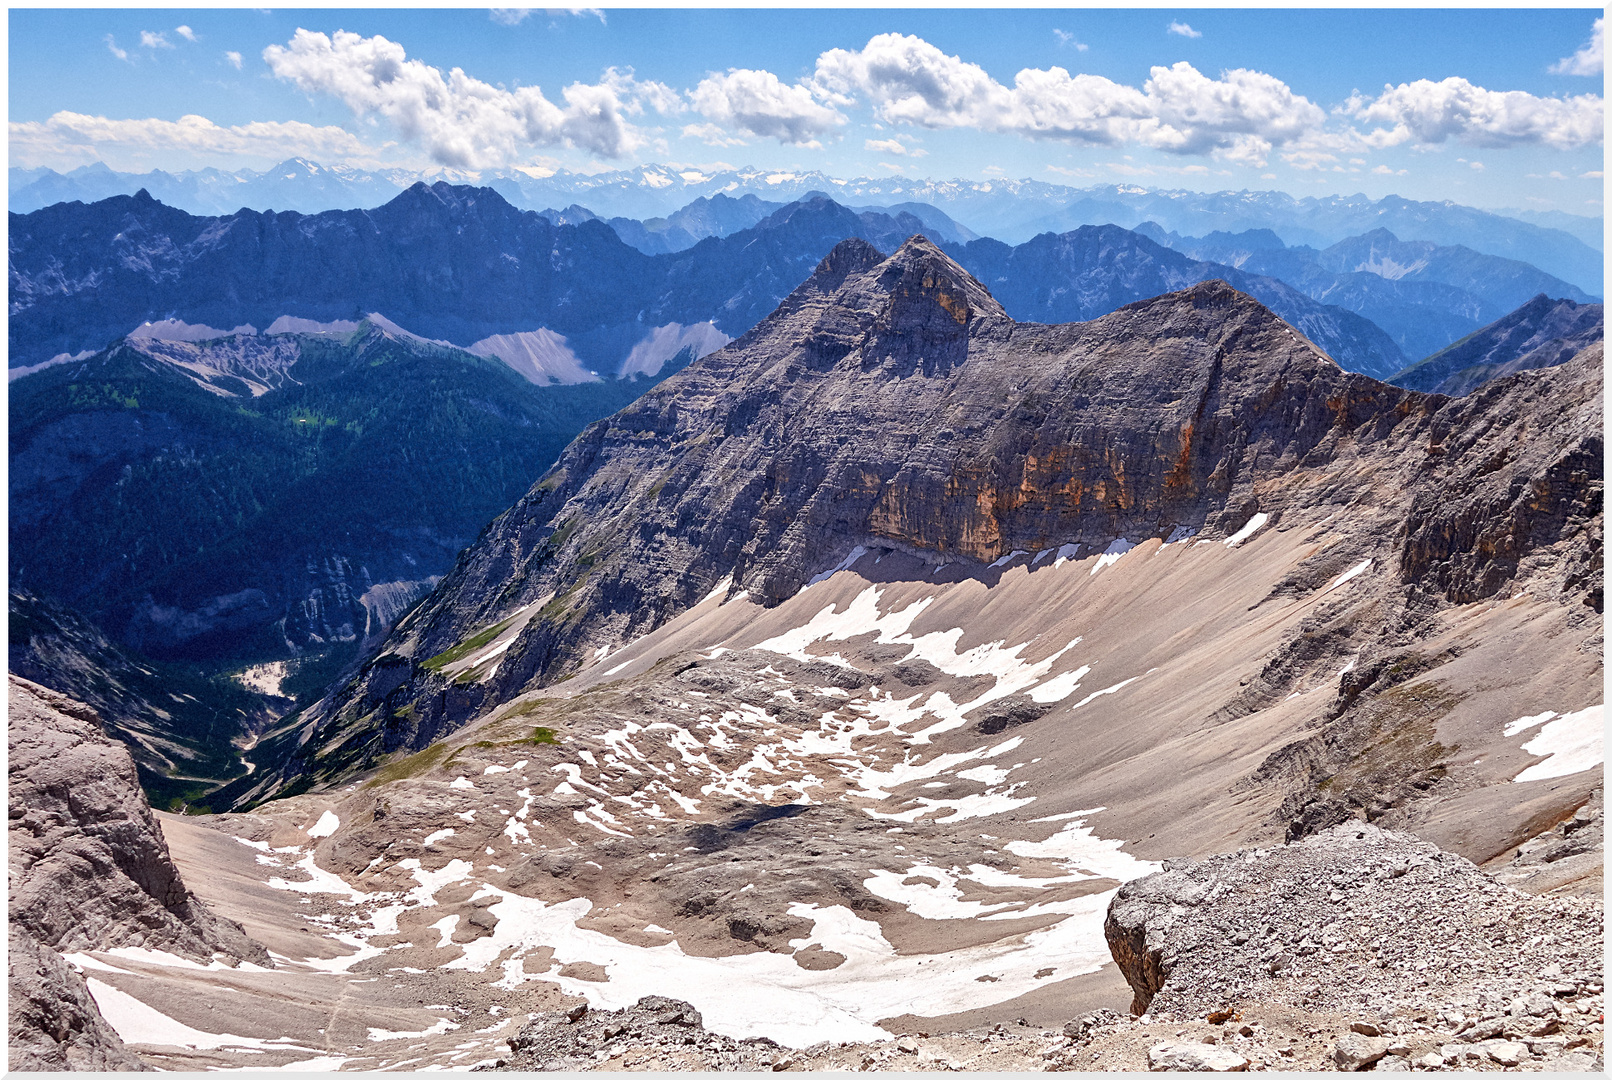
<point>975,438</point>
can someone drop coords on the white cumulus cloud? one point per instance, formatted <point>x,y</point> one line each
<point>509,16</point>
<point>74,136</point>
<point>234,58</point>
<point>1589,60</point>
<point>760,103</point>
<point>1238,117</point>
<point>1428,113</point>
<point>458,119</point>
<point>150,39</point>
<point>1181,29</point>
<point>112,47</point>
<point>185,32</point>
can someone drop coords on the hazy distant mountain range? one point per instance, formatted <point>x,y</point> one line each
<point>1424,295</point>
<point>1009,210</point>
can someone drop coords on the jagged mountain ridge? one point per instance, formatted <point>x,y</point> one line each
<point>893,402</point>
<point>461,264</point>
<point>1012,210</point>
<point>1541,333</point>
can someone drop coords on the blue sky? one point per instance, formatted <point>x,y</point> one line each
<point>1488,108</point>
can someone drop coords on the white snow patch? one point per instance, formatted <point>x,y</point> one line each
<point>1348,575</point>
<point>1009,557</point>
<point>844,564</point>
<point>1518,726</point>
<point>438,1028</point>
<point>1112,555</point>
<point>1059,686</point>
<point>940,900</point>
<point>1254,524</point>
<point>327,825</point>
<point>462,783</point>
<point>137,1022</point>
<point>1077,848</point>
<point>768,994</point>
<point>440,834</point>
<point>718,590</point>
<point>1569,744</point>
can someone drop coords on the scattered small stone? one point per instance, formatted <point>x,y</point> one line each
<point>1355,1051</point>
<point>1194,1057</point>
<point>1505,1052</point>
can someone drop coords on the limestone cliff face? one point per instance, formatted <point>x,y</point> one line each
<point>892,401</point>
<point>88,867</point>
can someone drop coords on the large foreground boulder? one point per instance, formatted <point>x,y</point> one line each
<point>1353,918</point>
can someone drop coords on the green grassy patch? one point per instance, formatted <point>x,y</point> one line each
<point>465,648</point>
<point>412,766</point>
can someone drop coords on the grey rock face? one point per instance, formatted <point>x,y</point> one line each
<point>893,402</point>
<point>88,866</point>
<point>54,1024</point>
